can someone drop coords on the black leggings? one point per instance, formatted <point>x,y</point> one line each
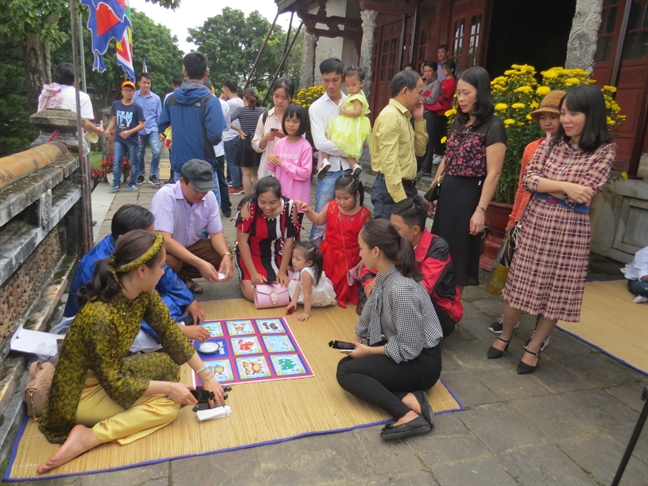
<point>381,381</point>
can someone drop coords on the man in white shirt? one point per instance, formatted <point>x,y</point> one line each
<point>64,75</point>
<point>637,275</point>
<point>231,138</point>
<point>320,113</point>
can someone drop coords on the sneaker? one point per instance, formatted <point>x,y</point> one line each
<point>356,170</point>
<point>640,299</point>
<point>227,214</point>
<point>235,191</point>
<point>326,165</point>
<point>496,326</point>
<point>545,343</point>
<point>131,188</point>
<point>437,160</point>
<point>422,174</point>
<point>154,180</point>
<point>169,181</point>
<point>114,188</point>
<point>140,179</point>
<point>229,184</point>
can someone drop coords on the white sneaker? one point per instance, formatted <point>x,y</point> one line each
<point>324,167</point>
<point>545,343</point>
<point>496,327</point>
<point>437,160</point>
<point>640,299</point>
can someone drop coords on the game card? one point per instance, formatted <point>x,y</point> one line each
<point>246,345</point>
<point>252,367</point>
<point>278,344</point>
<point>240,327</point>
<point>288,364</point>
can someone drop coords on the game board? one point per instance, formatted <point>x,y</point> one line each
<point>253,350</point>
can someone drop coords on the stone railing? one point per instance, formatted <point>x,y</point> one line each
<point>40,239</point>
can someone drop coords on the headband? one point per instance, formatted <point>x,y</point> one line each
<point>147,256</point>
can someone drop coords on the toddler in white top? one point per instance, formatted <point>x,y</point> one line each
<point>309,285</point>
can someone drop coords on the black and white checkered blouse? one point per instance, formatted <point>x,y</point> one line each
<point>400,311</point>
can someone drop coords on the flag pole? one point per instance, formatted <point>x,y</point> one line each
<point>84,163</point>
<point>84,85</point>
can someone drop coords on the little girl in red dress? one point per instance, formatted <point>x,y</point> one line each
<point>344,218</point>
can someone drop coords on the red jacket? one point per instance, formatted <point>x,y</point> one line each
<point>444,103</point>
<point>433,256</point>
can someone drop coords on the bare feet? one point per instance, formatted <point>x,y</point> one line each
<point>415,409</point>
<point>80,440</point>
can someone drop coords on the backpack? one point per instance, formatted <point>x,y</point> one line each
<point>51,97</point>
<point>208,147</point>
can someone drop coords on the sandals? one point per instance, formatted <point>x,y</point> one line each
<point>494,353</point>
<point>525,369</point>
<point>193,287</point>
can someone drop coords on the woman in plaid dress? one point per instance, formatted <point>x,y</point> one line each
<point>547,276</point>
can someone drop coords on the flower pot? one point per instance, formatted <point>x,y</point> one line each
<point>497,215</point>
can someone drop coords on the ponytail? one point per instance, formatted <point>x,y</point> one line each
<point>382,234</point>
<point>352,185</point>
<point>313,254</point>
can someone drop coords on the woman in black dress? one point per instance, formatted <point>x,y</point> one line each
<point>470,169</point>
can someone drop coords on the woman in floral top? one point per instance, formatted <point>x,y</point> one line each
<point>470,169</point>
<point>100,394</point>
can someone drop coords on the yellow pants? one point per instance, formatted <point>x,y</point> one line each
<point>111,422</point>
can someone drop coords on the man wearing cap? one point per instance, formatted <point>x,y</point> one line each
<point>128,119</point>
<point>182,211</point>
<point>395,144</point>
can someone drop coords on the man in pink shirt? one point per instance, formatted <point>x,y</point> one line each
<point>182,211</point>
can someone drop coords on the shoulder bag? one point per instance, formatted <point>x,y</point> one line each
<point>270,295</point>
<point>37,390</point>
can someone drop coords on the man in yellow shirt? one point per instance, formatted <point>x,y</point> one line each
<point>395,144</point>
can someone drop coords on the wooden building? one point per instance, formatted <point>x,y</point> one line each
<point>607,37</point>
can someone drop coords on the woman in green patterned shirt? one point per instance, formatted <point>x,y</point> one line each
<point>100,394</point>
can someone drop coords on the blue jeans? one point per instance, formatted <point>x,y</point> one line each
<point>119,152</point>
<point>382,201</point>
<point>154,140</point>
<point>220,181</point>
<point>233,171</point>
<point>177,175</point>
<point>325,193</point>
<point>637,287</point>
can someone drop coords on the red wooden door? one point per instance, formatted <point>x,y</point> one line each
<point>631,87</point>
<point>467,34</point>
<point>385,64</point>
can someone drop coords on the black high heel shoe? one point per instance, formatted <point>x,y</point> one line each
<point>525,369</point>
<point>494,353</point>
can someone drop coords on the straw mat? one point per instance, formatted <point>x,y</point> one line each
<point>262,413</point>
<point>613,323</point>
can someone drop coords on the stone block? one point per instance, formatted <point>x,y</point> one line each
<point>468,389</point>
<point>483,471</point>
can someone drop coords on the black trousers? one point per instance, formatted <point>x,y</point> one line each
<point>433,141</point>
<point>381,381</point>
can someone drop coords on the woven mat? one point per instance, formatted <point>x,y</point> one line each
<point>262,413</point>
<point>613,323</point>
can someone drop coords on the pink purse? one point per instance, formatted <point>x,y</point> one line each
<point>270,295</point>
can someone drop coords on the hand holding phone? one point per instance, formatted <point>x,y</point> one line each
<point>342,345</point>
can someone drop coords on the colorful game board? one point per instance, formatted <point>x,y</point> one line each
<point>253,350</point>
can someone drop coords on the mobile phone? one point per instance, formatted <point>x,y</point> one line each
<point>342,345</point>
<point>274,129</point>
<point>188,320</point>
<point>203,396</point>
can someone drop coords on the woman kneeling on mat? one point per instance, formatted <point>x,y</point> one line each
<point>397,354</point>
<point>99,394</point>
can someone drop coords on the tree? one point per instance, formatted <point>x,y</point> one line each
<point>163,59</point>
<point>15,130</point>
<point>38,26</point>
<point>231,43</point>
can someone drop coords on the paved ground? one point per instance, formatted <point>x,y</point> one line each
<point>567,424</point>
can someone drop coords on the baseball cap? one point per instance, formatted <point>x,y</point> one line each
<point>127,84</point>
<point>200,174</point>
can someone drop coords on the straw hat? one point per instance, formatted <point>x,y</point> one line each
<point>549,104</point>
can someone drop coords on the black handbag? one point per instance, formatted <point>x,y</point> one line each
<point>434,191</point>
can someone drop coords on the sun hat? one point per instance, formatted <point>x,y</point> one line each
<point>200,174</point>
<point>549,104</point>
<point>128,84</point>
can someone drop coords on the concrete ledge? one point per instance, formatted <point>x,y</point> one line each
<point>15,198</point>
<point>19,239</point>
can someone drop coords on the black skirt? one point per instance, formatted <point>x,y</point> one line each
<point>456,205</point>
<point>246,156</point>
